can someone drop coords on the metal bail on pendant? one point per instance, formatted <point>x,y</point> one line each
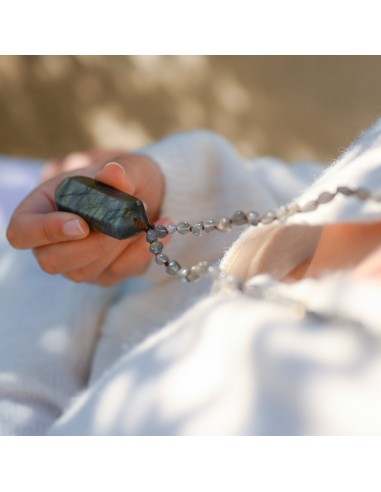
<point>104,208</point>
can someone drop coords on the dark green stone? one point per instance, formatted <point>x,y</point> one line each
<point>104,208</point>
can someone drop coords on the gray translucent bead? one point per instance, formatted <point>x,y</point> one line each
<point>239,218</point>
<point>198,228</point>
<point>183,274</point>
<point>310,206</point>
<point>214,271</point>
<point>172,228</point>
<point>210,225</point>
<point>161,259</point>
<point>362,194</point>
<point>152,236</point>
<point>156,247</point>
<point>203,267</point>
<point>252,218</point>
<point>293,208</point>
<point>268,217</point>
<point>344,190</point>
<point>173,267</point>
<point>282,213</point>
<point>183,227</point>
<point>376,196</point>
<point>224,224</point>
<point>286,211</point>
<point>325,197</point>
<point>194,274</point>
<point>225,280</point>
<point>252,289</point>
<point>161,231</point>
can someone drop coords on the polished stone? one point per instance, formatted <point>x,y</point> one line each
<point>104,208</point>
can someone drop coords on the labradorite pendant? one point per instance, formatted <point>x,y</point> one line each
<point>104,208</point>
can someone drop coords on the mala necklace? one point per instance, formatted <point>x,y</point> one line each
<point>121,216</point>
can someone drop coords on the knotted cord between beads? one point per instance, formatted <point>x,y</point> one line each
<point>224,224</point>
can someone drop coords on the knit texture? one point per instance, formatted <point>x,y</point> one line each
<point>157,357</point>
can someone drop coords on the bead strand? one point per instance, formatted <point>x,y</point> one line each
<point>224,224</point>
<point>173,267</point>
<point>227,281</point>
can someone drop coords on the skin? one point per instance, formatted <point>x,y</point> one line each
<point>62,242</point>
<point>354,248</point>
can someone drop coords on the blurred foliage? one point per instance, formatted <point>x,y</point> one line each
<point>294,107</point>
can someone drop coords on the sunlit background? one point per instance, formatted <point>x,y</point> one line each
<point>294,107</point>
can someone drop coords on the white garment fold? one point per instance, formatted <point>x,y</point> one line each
<point>18,176</point>
<point>167,358</point>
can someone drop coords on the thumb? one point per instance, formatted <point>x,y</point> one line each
<point>31,230</point>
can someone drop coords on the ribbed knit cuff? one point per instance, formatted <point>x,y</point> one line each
<point>178,157</point>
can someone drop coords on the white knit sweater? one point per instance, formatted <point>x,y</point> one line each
<point>157,357</point>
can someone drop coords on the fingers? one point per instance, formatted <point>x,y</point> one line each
<point>133,261</point>
<point>70,256</point>
<point>103,271</point>
<point>36,221</point>
<point>36,224</point>
<point>31,230</point>
<point>143,179</point>
<point>62,242</point>
<point>117,176</point>
<point>83,261</point>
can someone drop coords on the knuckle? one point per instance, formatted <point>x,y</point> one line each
<point>48,233</point>
<point>78,276</point>
<point>15,235</point>
<point>12,236</point>
<point>115,270</point>
<point>145,261</point>
<point>141,268</point>
<point>107,282</point>
<point>102,245</point>
<point>114,273</point>
<point>120,271</point>
<point>45,260</point>
<point>106,279</point>
<point>85,274</point>
<point>145,267</point>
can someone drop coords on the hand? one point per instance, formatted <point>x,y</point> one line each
<point>62,242</point>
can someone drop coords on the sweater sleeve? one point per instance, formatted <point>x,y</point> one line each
<point>206,178</point>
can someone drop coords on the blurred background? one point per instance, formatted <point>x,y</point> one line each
<point>293,107</point>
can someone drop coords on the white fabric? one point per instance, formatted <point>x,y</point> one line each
<point>17,177</point>
<point>163,358</point>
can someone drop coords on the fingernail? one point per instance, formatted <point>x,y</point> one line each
<point>115,164</point>
<point>73,228</point>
